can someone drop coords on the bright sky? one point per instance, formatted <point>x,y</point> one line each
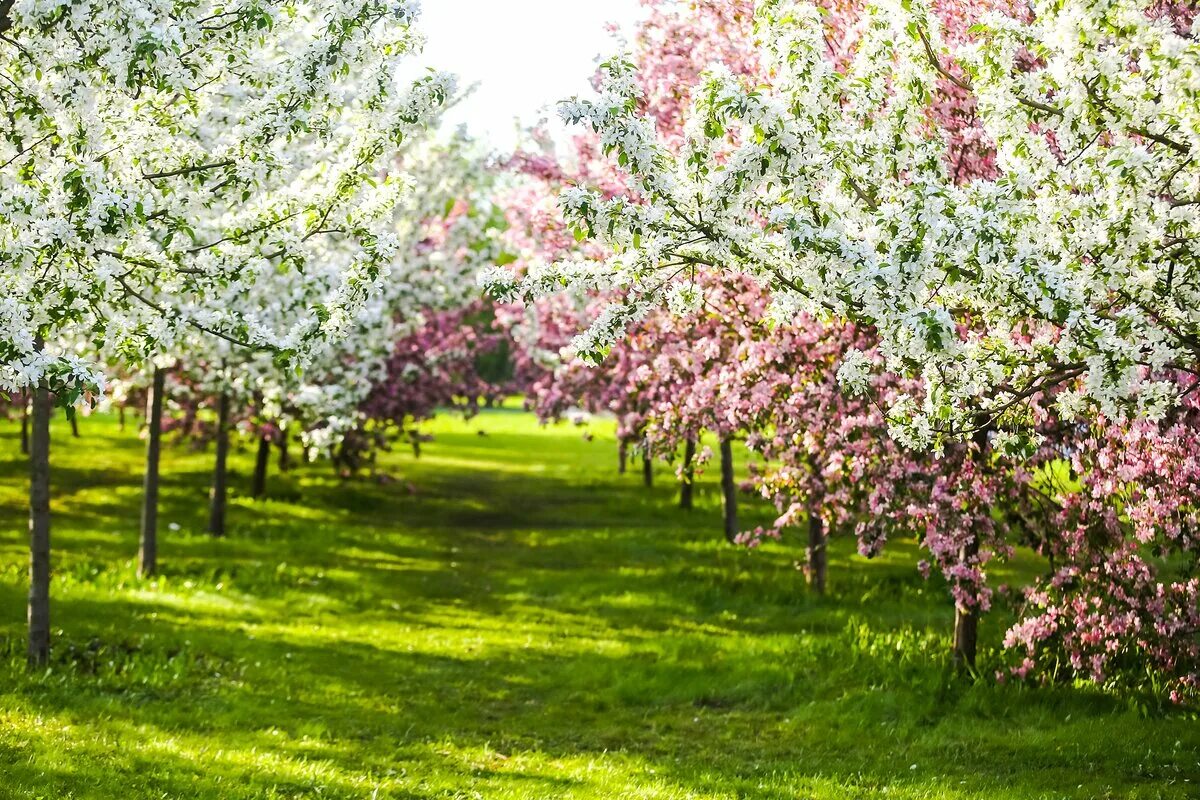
<point>525,56</point>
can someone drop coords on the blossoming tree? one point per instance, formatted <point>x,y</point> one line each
<point>1006,199</point>
<point>831,185</point>
<point>156,156</point>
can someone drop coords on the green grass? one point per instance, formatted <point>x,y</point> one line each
<point>508,618</point>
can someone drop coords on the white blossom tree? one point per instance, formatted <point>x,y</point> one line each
<point>436,254</point>
<point>158,156</point>
<point>1078,266</point>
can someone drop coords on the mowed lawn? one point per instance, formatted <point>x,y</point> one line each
<point>507,618</point>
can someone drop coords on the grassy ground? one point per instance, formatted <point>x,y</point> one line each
<point>508,619</point>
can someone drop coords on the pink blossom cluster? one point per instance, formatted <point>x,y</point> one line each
<point>436,366</point>
<point>1123,594</point>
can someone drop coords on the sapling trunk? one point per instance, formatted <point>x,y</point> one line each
<point>966,620</point>
<point>25,423</point>
<point>285,461</point>
<point>729,491</point>
<point>121,418</point>
<point>689,474</point>
<point>39,529</point>
<point>259,486</point>
<point>416,445</point>
<point>217,497</point>
<point>818,552</point>
<point>622,457</point>
<point>75,425</point>
<point>647,471</point>
<point>148,540</point>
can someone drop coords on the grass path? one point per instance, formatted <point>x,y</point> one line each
<point>509,618</point>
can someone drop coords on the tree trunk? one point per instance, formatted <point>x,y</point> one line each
<point>259,487</point>
<point>416,445</point>
<point>217,497</point>
<point>966,621</point>
<point>39,529</point>
<point>647,471</point>
<point>148,543</point>
<point>689,475</point>
<point>622,457</point>
<point>818,552</point>
<point>74,424</point>
<point>729,491</point>
<point>285,461</point>
<point>121,418</point>
<point>25,422</point>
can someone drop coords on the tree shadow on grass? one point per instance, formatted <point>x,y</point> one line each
<point>541,615</point>
<point>704,717</point>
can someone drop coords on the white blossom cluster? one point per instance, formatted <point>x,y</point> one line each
<point>1078,265</point>
<point>437,250</point>
<point>169,167</point>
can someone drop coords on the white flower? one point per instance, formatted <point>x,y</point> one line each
<point>854,374</point>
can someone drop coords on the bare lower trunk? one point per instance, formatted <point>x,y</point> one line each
<point>217,497</point>
<point>818,553</point>
<point>285,461</point>
<point>729,491</point>
<point>689,474</point>
<point>148,542</point>
<point>74,424</point>
<point>121,418</point>
<point>966,621</point>
<point>25,423</point>
<point>622,457</point>
<point>416,446</point>
<point>259,486</point>
<point>647,471</point>
<point>39,529</point>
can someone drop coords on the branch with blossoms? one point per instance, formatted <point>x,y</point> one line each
<point>224,146</point>
<point>832,188</point>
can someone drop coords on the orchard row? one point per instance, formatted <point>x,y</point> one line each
<point>937,267</point>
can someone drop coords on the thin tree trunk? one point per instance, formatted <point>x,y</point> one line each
<point>259,487</point>
<point>622,457</point>
<point>39,529</point>
<point>689,474</point>
<point>966,620</point>
<point>285,461</point>
<point>74,425</point>
<point>148,543</point>
<point>729,491</point>
<point>416,445</point>
<point>25,422</point>
<point>121,418</point>
<point>818,552</point>
<point>647,471</point>
<point>217,497</point>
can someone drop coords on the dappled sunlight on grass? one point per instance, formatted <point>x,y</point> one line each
<point>506,617</point>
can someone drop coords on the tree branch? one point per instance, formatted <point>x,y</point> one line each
<point>185,170</point>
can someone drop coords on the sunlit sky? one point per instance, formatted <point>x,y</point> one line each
<point>524,56</point>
